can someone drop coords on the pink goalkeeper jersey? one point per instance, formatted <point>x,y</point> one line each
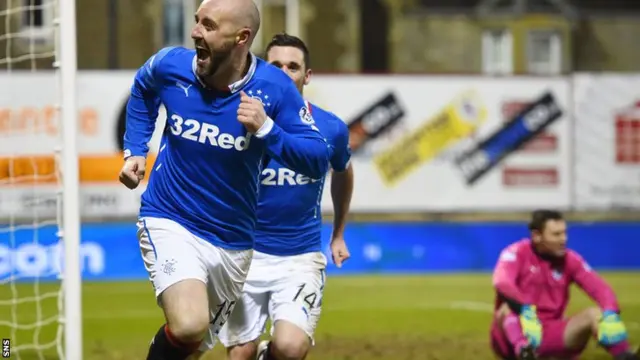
<point>527,278</point>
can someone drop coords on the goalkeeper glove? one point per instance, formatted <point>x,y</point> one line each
<point>611,330</point>
<point>531,326</point>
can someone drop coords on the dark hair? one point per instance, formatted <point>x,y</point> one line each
<point>539,218</point>
<point>284,39</point>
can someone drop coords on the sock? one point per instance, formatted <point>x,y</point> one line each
<point>618,349</point>
<point>513,332</point>
<point>166,347</point>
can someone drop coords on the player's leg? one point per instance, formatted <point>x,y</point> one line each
<point>289,341</point>
<point>507,339</point>
<point>227,271</point>
<point>245,325</point>
<point>179,281</point>
<point>580,328</point>
<point>567,338</point>
<point>583,326</point>
<point>295,308</point>
<point>245,351</point>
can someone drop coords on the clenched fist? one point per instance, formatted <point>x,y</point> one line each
<point>339,251</point>
<point>133,171</point>
<point>251,113</point>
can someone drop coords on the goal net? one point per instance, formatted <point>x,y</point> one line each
<point>33,290</point>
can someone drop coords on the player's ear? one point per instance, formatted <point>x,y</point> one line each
<point>243,36</point>
<point>307,76</point>
<point>535,236</point>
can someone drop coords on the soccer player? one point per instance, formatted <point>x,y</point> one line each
<point>287,275</point>
<point>532,279</point>
<point>226,111</point>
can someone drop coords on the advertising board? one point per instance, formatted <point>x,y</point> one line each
<point>606,157</point>
<point>421,143</point>
<point>111,252</point>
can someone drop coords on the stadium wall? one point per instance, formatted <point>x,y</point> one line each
<point>110,251</point>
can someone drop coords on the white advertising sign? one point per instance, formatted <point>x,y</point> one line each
<point>607,141</point>
<point>408,136</point>
<point>434,131</point>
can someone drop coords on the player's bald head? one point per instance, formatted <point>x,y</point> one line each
<point>242,13</point>
<point>247,15</point>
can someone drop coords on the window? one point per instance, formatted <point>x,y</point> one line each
<point>37,20</point>
<point>178,22</point>
<point>33,15</point>
<point>628,141</point>
<point>497,52</point>
<point>173,23</point>
<point>544,52</point>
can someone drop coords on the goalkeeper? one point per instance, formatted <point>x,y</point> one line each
<point>532,279</point>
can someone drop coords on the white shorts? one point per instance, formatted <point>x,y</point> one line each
<point>172,254</point>
<point>278,288</point>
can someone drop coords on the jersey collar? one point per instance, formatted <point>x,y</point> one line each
<point>306,102</point>
<point>236,86</point>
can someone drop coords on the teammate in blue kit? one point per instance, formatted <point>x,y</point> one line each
<point>226,112</point>
<point>287,274</point>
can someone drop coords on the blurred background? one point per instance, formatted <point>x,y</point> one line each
<point>464,116</point>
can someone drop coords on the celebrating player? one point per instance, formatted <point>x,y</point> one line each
<point>225,109</point>
<point>532,280</point>
<point>287,275</point>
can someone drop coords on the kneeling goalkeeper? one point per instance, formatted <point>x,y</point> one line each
<point>532,280</point>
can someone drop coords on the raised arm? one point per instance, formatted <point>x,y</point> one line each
<point>292,139</point>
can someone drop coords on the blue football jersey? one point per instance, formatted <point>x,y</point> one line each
<point>289,214</point>
<point>208,167</point>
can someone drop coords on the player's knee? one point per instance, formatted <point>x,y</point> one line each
<point>242,352</point>
<point>502,312</point>
<point>186,309</point>
<point>189,328</point>
<point>592,318</point>
<point>290,348</point>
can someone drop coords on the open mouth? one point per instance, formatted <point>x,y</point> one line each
<point>202,53</point>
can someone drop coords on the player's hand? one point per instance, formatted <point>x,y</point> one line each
<point>611,329</point>
<point>133,171</point>
<point>531,326</point>
<point>339,250</point>
<point>251,113</point>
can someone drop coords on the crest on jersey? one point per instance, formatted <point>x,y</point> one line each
<point>305,116</point>
<point>260,95</point>
<point>508,256</point>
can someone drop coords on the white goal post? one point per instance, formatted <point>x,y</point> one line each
<point>67,65</point>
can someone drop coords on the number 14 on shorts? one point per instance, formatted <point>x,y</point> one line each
<point>309,299</point>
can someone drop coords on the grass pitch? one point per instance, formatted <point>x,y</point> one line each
<point>370,317</point>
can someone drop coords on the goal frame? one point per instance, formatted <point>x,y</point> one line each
<point>66,66</point>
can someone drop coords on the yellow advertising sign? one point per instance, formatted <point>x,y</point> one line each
<point>456,121</point>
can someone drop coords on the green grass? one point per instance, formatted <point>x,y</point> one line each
<point>374,318</point>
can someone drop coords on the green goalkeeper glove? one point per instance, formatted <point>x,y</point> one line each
<point>611,329</point>
<point>531,326</point>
